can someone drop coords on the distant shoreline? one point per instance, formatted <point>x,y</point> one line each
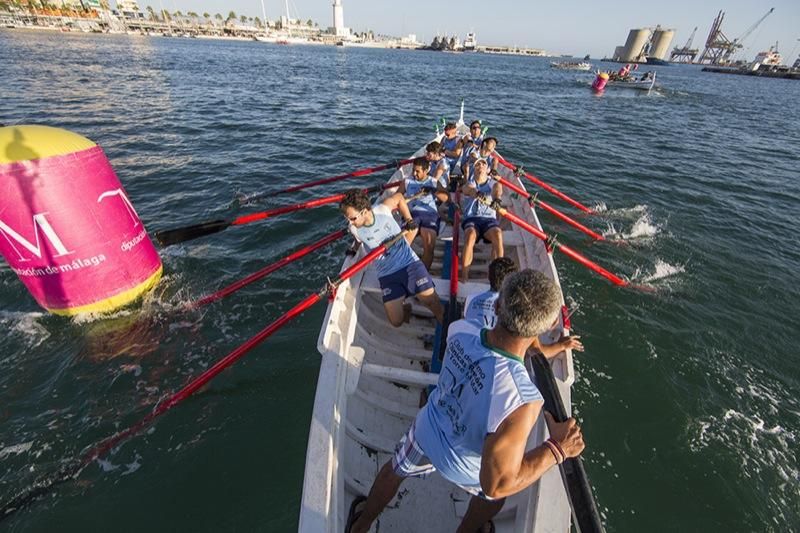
<point>160,29</point>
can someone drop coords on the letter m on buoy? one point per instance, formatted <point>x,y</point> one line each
<point>39,223</point>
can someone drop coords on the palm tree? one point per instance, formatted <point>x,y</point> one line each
<point>258,23</point>
<point>231,16</point>
<point>218,17</point>
<point>151,14</point>
<point>243,19</point>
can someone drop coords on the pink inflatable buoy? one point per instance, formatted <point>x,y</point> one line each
<point>600,82</point>
<point>67,228</point>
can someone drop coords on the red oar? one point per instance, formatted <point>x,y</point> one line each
<point>255,276</point>
<point>550,209</point>
<point>563,248</point>
<point>186,233</point>
<point>354,174</point>
<point>72,469</point>
<point>543,185</point>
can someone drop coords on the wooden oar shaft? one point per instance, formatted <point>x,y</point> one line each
<point>254,217</point>
<point>176,235</point>
<point>566,250</point>
<point>454,251</point>
<point>355,174</point>
<point>73,469</point>
<point>255,276</point>
<point>576,482</point>
<point>550,209</point>
<point>549,188</point>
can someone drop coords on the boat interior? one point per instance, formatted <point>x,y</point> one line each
<point>373,380</point>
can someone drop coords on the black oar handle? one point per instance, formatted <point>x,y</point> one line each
<point>579,491</point>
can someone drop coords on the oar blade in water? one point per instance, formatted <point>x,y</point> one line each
<point>174,236</point>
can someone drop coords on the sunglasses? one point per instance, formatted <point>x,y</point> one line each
<point>354,218</point>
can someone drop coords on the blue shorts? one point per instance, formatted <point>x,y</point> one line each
<point>409,460</point>
<point>481,225</point>
<point>407,281</point>
<point>427,220</point>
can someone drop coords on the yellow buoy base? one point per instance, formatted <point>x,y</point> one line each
<point>114,302</point>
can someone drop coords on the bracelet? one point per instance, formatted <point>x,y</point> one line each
<point>552,449</point>
<point>559,448</point>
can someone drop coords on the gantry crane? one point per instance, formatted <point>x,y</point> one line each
<point>685,54</point>
<point>719,49</point>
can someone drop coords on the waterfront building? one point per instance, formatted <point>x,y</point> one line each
<point>129,9</point>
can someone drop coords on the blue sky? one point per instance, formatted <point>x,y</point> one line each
<point>566,26</point>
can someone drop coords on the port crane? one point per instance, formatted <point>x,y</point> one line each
<point>685,54</point>
<point>720,49</point>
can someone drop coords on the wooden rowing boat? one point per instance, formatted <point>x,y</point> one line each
<point>369,390</point>
<point>583,65</point>
<point>645,85</point>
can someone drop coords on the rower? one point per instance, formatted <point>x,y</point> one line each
<point>422,194</point>
<point>452,146</point>
<point>486,151</point>
<point>400,272</point>
<point>480,220</point>
<point>471,142</point>
<point>481,308</point>
<point>438,171</point>
<point>475,428</point>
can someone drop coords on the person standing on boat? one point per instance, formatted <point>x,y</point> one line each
<point>452,146</point>
<point>400,272</point>
<point>480,219</point>
<point>480,308</point>
<point>424,210</point>
<point>475,426</point>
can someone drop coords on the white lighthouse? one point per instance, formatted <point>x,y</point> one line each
<point>338,20</point>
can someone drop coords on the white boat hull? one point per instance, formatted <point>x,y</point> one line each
<point>368,392</point>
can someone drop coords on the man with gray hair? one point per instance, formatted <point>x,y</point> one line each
<point>475,426</point>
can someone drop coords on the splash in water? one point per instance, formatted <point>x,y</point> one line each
<point>643,228</point>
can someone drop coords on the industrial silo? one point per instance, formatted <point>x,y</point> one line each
<point>659,45</point>
<point>637,40</point>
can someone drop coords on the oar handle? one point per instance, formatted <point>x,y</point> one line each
<point>549,188</point>
<point>550,209</point>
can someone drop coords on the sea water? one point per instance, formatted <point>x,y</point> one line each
<point>687,394</point>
